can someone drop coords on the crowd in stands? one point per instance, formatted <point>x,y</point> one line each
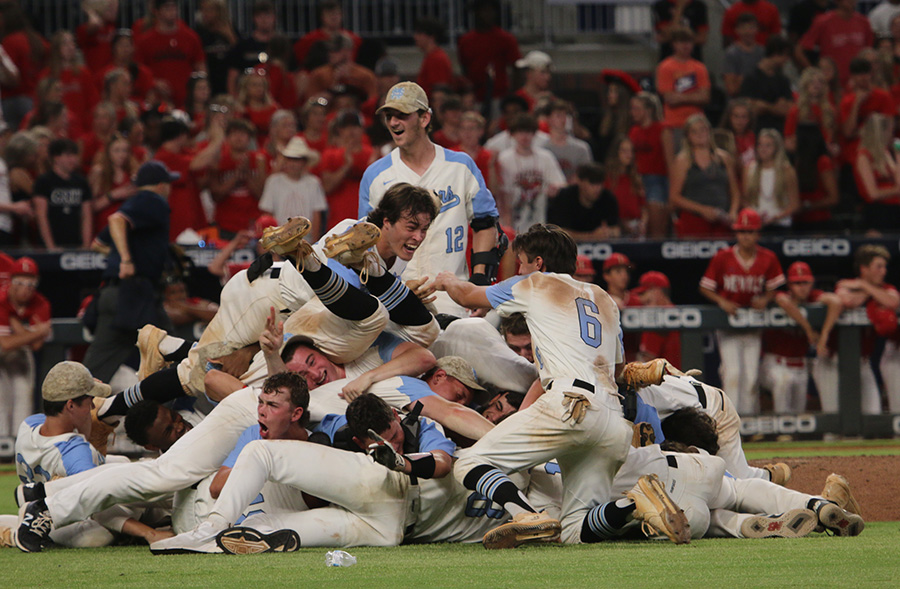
<point>258,124</point>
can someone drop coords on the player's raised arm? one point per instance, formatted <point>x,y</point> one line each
<point>463,293</point>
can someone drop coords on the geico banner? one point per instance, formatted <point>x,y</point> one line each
<point>82,261</point>
<point>816,247</point>
<point>856,316</point>
<point>778,424</point>
<point>772,317</point>
<point>691,250</point>
<point>595,251</point>
<point>661,317</point>
<point>203,257</point>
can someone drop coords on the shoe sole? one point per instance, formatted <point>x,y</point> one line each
<point>512,535</point>
<point>15,539</point>
<point>795,523</point>
<point>837,489</point>
<point>840,522</point>
<point>674,523</point>
<point>285,239</point>
<point>152,360</point>
<point>249,541</point>
<point>361,236</point>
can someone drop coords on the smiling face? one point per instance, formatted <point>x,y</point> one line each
<point>313,366</point>
<point>167,429</point>
<point>275,414</point>
<point>406,129</point>
<point>405,236</point>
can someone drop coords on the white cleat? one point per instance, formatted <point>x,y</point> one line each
<point>201,539</point>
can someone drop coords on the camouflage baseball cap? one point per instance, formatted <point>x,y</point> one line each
<point>407,97</point>
<point>461,370</point>
<point>70,380</point>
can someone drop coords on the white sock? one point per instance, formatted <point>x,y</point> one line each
<point>170,345</point>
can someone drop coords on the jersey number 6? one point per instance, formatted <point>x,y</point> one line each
<point>589,323</point>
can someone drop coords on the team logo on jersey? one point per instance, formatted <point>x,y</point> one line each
<point>448,199</point>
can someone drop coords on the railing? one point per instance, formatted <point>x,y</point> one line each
<point>545,21</point>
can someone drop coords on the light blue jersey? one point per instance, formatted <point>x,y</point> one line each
<point>40,458</point>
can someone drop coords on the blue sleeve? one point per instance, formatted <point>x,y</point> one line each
<point>647,413</point>
<point>431,438</point>
<point>414,388</point>
<point>483,204</point>
<point>76,455</point>
<point>250,434</point>
<point>330,424</point>
<point>501,292</point>
<point>386,344</point>
<point>372,172</point>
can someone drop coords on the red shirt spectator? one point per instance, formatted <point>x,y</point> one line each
<point>18,47</point>
<point>237,182</point>
<point>813,209</point>
<point>648,150</point>
<point>343,196</point>
<point>492,47</point>
<point>739,280</point>
<point>171,53</point>
<point>96,44</point>
<point>877,101</point>
<point>838,34</point>
<point>436,69</point>
<point>767,17</point>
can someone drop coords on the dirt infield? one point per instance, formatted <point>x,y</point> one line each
<point>873,480</point>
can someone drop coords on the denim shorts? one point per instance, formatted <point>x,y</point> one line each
<point>656,188</point>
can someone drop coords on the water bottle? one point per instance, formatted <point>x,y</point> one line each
<point>339,558</point>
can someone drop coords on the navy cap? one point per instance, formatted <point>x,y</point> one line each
<point>154,172</point>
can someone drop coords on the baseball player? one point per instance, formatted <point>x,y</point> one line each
<point>785,370</point>
<point>371,504</point>
<point>576,340</point>
<point>653,291</point>
<point>50,445</point>
<point>344,329</point>
<point>743,275</point>
<point>882,302</point>
<point>451,175</point>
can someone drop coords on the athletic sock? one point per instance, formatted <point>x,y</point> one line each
<point>404,307</point>
<point>341,299</point>
<point>606,521</point>
<point>179,353</point>
<point>169,344</point>
<point>498,487</point>
<point>162,386</point>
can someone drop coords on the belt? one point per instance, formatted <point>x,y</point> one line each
<point>576,382</point>
<point>793,362</point>
<point>701,395</point>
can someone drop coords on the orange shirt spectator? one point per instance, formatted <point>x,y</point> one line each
<point>682,81</point>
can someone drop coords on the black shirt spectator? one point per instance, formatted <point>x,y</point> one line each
<point>586,210</point>
<point>693,17</point>
<point>62,199</point>
<point>768,89</point>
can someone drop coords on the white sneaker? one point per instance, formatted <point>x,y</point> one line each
<point>201,539</point>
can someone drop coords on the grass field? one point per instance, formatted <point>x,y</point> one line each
<point>870,560</point>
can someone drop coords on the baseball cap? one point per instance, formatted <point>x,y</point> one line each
<point>748,220</point>
<point>407,97</point>
<point>535,60</point>
<point>652,279</point>
<point>462,371</point>
<point>24,266</point>
<point>583,265</point>
<point>616,259</point>
<point>70,380</point>
<point>298,148</point>
<point>610,75</point>
<point>800,272</point>
<point>154,172</point>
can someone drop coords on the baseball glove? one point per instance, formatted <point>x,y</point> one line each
<point>576,406</point>
<point>100,431</point>
<point>384,454</point>
<point>642,374</point>
<point>643,435</point>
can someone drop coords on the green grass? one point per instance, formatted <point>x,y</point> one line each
<point>869,560</point>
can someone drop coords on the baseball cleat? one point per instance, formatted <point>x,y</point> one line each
<point>33,532</point>
<point>642,374</point>
<point>201,539</point>
<point>837,489</point>
<point>795,523</point>
<point>839,521</point>
<point>525,528</point>
<point>6,537</point>
<point>241,540</point>
<point>28,492</point>
<point>285,239</point>
<point>350,246</point>
<point>152,359</point>
<point>779,473</point>
<point>657,511</point>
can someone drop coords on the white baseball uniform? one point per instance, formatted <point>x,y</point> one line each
<point>577,343</point>
<point>680,392</point>
<point>454,177</point>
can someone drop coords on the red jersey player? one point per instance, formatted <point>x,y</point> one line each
<point>743,275</point>
<point>653,291</point>
<point>785,369</point>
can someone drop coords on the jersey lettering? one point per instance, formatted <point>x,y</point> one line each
<point>448,199</point>
<point>591,330</point>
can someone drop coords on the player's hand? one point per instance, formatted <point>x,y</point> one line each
<point>710,214</point>
<point>126,270</point>
<point>813,336</point>
<point>356,387</point>
<point>729,307</point>
<point>384,453</point>
<point>759,303</point>
<point>421,289</point>
<point>272,337</point>
<point>237,362</point>
<point>822,348</point>
<point>478,312</point>
<point>443,280</point>
<point>44,328</point>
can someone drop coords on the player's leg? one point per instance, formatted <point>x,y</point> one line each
<point>799,389</point>
<point>730,365</point>
<point>750,347</point>
<point>483,347</point>
<point>778,379</point>
<point>825,375</point>
<point>890,373</point>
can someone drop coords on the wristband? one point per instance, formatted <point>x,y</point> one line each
<point>422,465</point>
